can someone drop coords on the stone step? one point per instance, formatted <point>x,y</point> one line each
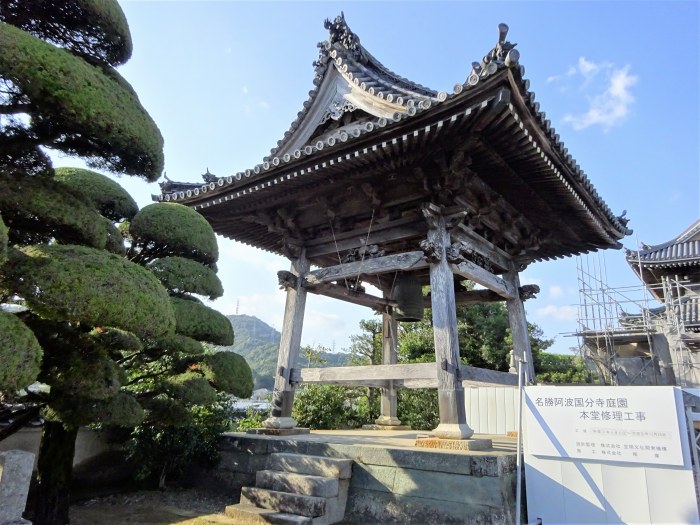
<point>319,486</point>
<point>311,465</point>
<point>310,506</point>
<point>245,514</point>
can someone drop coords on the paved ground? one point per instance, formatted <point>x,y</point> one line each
<point>387,438</point>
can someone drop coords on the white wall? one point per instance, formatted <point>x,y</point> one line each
<point>492,410</point>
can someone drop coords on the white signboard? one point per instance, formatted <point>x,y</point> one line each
<point>630,424</point>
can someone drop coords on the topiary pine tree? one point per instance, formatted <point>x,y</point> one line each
<point>85,317</point>
<point>59,89</point>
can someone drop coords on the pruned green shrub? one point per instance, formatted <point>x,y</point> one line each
<point>181,275</point>
<point>80,284</point>
<point>228,372</point>
<point>202,323</point>
<point>100,192</point>
<point>182,230</point>
<point>20,354</point>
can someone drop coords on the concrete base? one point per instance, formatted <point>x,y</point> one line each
<point>386,427</point>
<point>453,431</point>
<point>278,431</point>
<point>387,420</point>
<point>392,480</point>
<point>454,444</point>
<point>279,422</point>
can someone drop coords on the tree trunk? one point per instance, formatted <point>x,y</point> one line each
<point>54,471</point>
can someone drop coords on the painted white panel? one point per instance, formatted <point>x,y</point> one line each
<point>492,411</point>
<point>578,490</point>
<point>511,411</point>
<point>500,412</point>
<point>672,498</point>
<point>483,411</point>
<point>625,489</point>
<point>584,501</point>
<point>472,405</point>
<point>545,491</point>
<point>633,424</point>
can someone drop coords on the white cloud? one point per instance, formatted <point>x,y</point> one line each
<point>556,291</point>
<point>560,313</point>
<point>607,89</point>
<point>253,102</point>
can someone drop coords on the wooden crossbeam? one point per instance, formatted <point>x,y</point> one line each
<point>413,375</point>
<point>388,263</point>
<point>480,245</point>
<point>485,278</point>
<point>337,291</point>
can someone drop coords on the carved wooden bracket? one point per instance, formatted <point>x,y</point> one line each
<point>286,280</point>
<point>431,250</point>
<point>290,248</point>
<point>528,291</point>
<point>369,251</point>
<point>460,252</point>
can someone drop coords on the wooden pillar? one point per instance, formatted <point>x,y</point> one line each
<point>283,397</point>
<point>518,328</point>
<point>453,419</point>
<point>388,416</point>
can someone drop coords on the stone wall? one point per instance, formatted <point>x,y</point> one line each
<point>88,443</point>
<point>391,485</point>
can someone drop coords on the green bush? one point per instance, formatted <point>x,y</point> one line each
<point>160,452</point>
<point>418,408</point>
<point>332,407</point>
<point>252,419</point>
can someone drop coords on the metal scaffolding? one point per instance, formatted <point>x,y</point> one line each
<point>618,324</point>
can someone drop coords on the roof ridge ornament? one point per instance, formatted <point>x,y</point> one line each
<point>502,55</point>
<point>341,33</point>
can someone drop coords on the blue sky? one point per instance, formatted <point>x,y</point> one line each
<point>620,82</point>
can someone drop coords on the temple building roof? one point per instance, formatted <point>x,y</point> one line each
<point>677,258</point>
<point>369,146</point>
<point>684,250</point>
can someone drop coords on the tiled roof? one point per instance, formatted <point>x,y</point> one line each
<point>403,102</point>
<point>684,250</point>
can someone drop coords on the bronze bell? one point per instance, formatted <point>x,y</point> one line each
<point>408,294</point>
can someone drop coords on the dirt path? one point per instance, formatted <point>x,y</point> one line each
<point>181,507</point>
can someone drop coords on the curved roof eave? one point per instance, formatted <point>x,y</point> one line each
<point>503,57</point>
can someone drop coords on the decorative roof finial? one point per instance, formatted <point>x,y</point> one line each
<point>209,177</point>
<point>340,33</point>
<point>503,54</point>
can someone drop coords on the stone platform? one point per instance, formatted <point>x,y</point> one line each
<point>392,480</point>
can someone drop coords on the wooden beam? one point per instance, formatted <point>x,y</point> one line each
<point>490,251</point>
<point>486,296</point>
<point>518,329</point>
<point>337,291</point>
<point>413,375</point>
<point>290,341</point>
<point>485,278</point>
<point>378,265</point>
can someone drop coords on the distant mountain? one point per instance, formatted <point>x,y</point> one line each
<point>259,343</point>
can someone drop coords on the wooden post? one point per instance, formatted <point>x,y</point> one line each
<point>283,398</point>
<point>388,416</point>
<point>518,328</point>
<point>453,419</point>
